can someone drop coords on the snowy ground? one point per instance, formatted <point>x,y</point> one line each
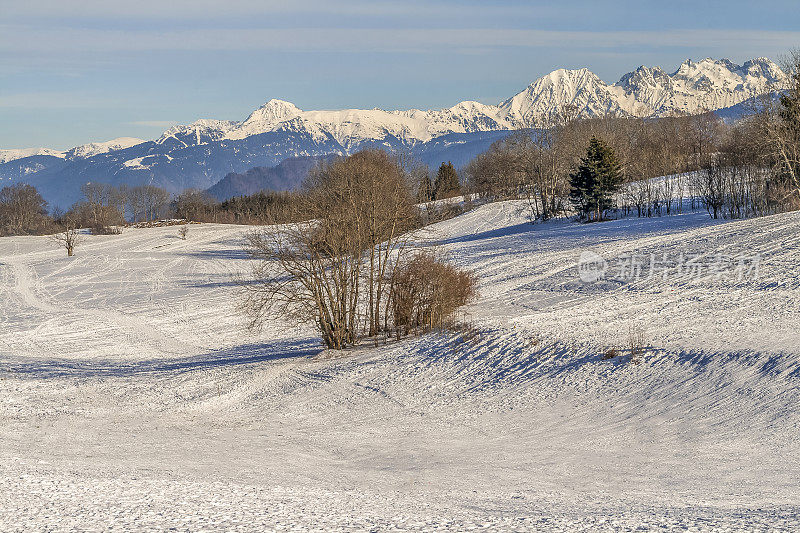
<point>130,397</point>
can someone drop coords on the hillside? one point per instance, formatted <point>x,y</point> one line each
<point>285,176</point>
<point>130,391</point>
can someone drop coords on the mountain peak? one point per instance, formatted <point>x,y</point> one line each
<point>273,112</point>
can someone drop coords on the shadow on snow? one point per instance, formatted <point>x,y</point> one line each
<point>228,357</point>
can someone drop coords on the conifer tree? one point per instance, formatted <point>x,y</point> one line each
<point>447,184</point>
<point>594,183</point>
<point>425,189</point>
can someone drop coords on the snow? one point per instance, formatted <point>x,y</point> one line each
<point>79,152</point>
<point>695,87</point>
<point>91,149</point>
<point>131,398</point>
<point>19,153</point>
<point>137,162</point>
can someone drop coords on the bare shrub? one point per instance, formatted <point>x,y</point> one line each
<point>611,353</point>
<point>106,230</point>
<point>469,332</point>
<point>183,231</point>
<point>636,343</point>
<point>426,292</point>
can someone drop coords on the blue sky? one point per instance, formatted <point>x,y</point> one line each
<point>74,71</point>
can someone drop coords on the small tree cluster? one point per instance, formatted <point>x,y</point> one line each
<point>334,270</point>
<point>23,211</point>
<point>105,206</point>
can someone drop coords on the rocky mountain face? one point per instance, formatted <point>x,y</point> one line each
<point>200,154</point>
<point>696,87</point>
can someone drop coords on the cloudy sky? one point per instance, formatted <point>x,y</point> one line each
<point>74,71</point>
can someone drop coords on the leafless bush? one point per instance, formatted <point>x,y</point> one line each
<point>106,230</point>
<point>183,231</point>
<point>426,292</point>
<point>636,343</point>
<point>611,353</point>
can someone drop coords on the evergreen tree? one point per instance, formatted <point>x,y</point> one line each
<point>594,183</point>
<point>447,184</point>
<point>425,189</point>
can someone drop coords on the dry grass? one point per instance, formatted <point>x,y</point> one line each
<point>636,343</point>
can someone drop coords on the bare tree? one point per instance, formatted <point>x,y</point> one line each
<point>155,200</point>
<point>120,198</point>
<point>780,126</point>
<point>69,238</point>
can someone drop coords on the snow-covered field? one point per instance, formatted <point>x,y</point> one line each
<point>131,398</point>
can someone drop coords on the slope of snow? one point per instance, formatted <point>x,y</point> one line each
<point>131,398</point>
<point>88,150</point>
<point>198,132</point>
<point>19,153</point>
<point>78,152</point>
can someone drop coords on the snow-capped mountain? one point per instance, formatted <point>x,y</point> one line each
<point>347,127</point>
<point>203,152</point>
<point>78,152</point>
<point>19,153</point>
<point>90,149</point>
<point>696,87</point>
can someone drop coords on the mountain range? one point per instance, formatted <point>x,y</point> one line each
<point>202,153</point>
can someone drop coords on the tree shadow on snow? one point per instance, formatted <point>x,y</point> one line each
<point>244,354</point>
<point>229,254</point>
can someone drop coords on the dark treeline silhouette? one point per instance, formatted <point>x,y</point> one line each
<point>263,207</point>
